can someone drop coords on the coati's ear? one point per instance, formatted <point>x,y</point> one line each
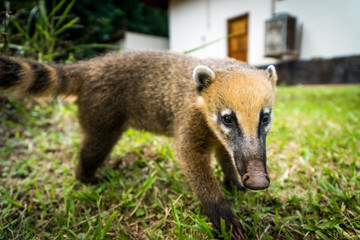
<point>272,74</point>
<point>203,77</point>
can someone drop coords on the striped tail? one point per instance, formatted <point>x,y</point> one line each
<point>25,78</point>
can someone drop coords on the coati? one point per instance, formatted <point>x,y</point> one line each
<point>207,105</point>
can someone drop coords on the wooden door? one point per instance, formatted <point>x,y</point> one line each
<point>238,41</point>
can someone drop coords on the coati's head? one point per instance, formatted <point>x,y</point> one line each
<point>238,104</point>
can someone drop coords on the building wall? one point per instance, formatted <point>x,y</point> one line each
<point>330,27</point>
<point>142,41</point>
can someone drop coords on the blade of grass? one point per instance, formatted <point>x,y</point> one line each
<point>43,15</point>
<point>56,8</point>
<point>177,220</point>
<point>31,16</point>
<point>147,184</point>
<point>97,45</point>
<point>108,224</point>
<point>66,26</point>
<point>202,225</point>
<point>64,14</point>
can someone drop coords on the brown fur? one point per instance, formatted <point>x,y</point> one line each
<point>155,91</point>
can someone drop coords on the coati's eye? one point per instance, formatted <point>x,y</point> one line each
<point>266,119</point>
<point>227,119</point>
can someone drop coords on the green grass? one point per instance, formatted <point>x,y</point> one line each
<point>313,159</point>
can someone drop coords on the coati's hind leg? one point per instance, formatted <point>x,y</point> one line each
<point>96,146</point>
<point>231,176</point>
<point>101,129</point>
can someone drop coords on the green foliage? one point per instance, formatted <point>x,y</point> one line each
<point>52,29</point>
<point>313,162</point>
<point>104,21</point>
<point>40,34</point>
<point>101,19</point>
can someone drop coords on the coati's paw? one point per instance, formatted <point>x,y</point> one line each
<point>93,180</point>
<point>221,210</point>
<point>231,184</point>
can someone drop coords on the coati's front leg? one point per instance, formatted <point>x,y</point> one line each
<point>193,150</point>
<point>231,176</point>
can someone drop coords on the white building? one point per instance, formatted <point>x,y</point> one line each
<point>132,40</point>
<point>330,28</point>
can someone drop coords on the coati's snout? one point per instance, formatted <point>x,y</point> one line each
<point>250,161</point>
<point>256,180</point>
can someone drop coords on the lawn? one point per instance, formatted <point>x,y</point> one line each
<point>313,160</point>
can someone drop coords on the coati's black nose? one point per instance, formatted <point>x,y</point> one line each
<point>256,180</point>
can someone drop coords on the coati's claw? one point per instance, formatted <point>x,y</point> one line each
<point>230,185</point>
<point>221,211</point>
<point>89,180</point>
<point>94,180</point>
